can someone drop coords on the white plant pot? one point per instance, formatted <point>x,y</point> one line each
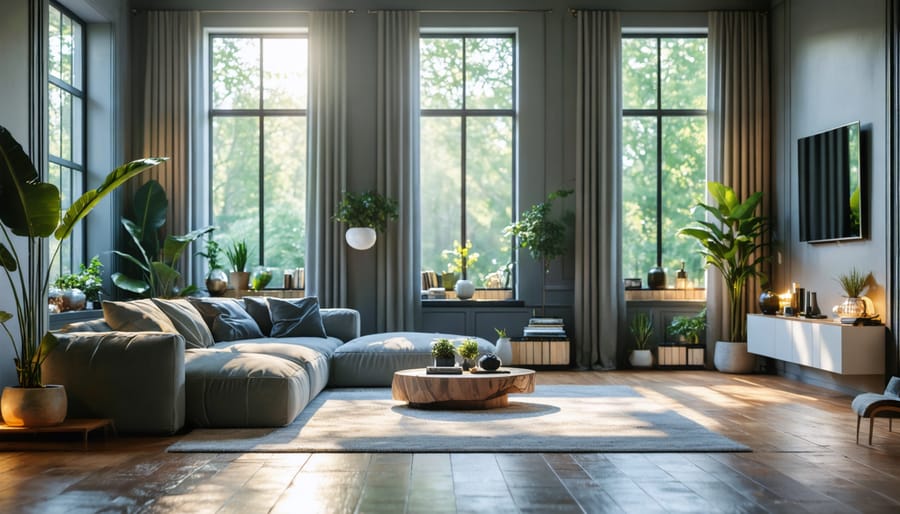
<point>361,238</point>
<point>503,351</point>
<point>641,358</point>
<point>34,406</point>
<point>732,357</point>
<point>465,289</point>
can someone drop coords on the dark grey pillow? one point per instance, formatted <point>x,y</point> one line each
<point>226,319</point>
<point>296,318</point>
<point>258,308</point>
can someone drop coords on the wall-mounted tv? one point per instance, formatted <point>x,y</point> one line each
<point>830,185</point>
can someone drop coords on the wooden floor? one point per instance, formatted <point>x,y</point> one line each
<point>804,459</point>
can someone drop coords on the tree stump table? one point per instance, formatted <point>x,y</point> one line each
<point>465,391</point>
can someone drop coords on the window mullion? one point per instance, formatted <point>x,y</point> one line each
<point>659,152</point>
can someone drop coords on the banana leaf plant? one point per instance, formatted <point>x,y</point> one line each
<point>157,262</point>
<point>732,243</point>
<point>32,209</point>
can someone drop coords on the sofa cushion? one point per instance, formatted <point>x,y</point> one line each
<point>137,316</point>
<point>312,353</point>
<point>228,388</point>
<point>226,319</point>
<point>296,318</point>
<point>187,321</point>
<point>258,309</point>
<point>371,360</point>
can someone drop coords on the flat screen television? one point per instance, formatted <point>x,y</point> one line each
<point>830,185</point>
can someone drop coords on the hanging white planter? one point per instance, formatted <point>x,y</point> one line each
<point>360,238</point>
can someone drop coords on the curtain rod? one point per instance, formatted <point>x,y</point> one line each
<point>574,12</point>
<point>470,11</point>
<point>249,11</point>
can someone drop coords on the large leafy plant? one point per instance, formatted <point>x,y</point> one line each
<point>536,230</point>
<point>732,243</point>
<point>157,261</point>
<point>32,209</point>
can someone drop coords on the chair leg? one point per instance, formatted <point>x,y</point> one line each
<point>871,426</point>
<point>858,418</point>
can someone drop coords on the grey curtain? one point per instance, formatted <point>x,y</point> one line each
<point>326,254</point>
<point>738,152</point>
<point>170,68</point>
<point>599,294</point>
<point>398,302</point>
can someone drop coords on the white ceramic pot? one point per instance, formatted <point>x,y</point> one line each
<point>732,357</point>
<point>503,351</point>
<point>465,289</point>
<point>360,238</point>
<point>641,358</point>
<point>34,406</point>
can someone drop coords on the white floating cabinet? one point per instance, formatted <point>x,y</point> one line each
<point>822,344</point>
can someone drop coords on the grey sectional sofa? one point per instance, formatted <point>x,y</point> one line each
<point>156,370</point>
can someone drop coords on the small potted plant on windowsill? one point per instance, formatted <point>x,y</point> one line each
<point>88,281</point>
<point>641,329</point>
<point>459,259</point>
<point>365,214</point>
<point>444,353</point>
<point>216,279</point>
<point>237,255</point>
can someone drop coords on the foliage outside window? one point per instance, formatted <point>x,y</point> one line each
<point>258,107</point>
<point>66,123</point>
<point>468,124</point>
<point>664,152</point>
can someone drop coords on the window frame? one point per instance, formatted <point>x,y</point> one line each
<point>659,113</point>
<point>78,239</point>
<point>464,114</point>
<point>261,113</point>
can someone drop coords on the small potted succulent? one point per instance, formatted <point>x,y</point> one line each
<point>641,329</point>
<point>237,255</point>
<point>444,352</point>
<point>468,350</point>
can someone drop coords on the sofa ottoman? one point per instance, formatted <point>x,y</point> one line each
<point>371,360</point>
<point>227,388</point>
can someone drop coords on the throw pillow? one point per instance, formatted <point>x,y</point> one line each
<point>258,308</point>
<point>187,321</point>
<point>296,318</point>
<point>137,316</point>
<point>893,387</point>
<point>226,319</point>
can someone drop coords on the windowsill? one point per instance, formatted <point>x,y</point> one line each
<point>480,294</point>
<point>454,302</point>
<point>657,295</point>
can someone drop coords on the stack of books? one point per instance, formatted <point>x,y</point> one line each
<point>544,327</point>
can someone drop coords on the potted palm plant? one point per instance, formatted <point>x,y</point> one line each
<point>732,243</point>
<point>641,329</point>
<point>365,214</point>
<point>32,209</point>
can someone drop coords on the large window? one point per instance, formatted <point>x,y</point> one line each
<point>468,152</point>
<point>258,100</point>
<point>66,123</point>
<point>664,152</point>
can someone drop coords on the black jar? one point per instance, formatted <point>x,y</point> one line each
<point>656,278</point>
<point>768,302</point>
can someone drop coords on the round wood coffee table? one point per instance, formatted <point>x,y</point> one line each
<point>465,391</point>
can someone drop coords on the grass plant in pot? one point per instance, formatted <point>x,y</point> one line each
<point>854,283</point>
<point>732,243</point>
<point>641,330</point>
<point>237,255</point>
<point>365,214</point>
<point>444,352</point>
<point>32,210</point>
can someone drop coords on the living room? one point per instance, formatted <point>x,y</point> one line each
<point>828,64</point>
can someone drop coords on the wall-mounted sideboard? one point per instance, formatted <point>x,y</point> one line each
<point>822,344</point>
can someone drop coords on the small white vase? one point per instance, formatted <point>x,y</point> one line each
<point>465,289</point>
<point>361,238</point>
<point>503,351</point>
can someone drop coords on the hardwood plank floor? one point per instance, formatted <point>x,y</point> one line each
<point>804,459</point>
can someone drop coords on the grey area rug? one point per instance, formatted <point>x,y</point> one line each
<point>552,419</point>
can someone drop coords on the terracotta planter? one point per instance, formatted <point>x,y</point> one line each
<point>34,406</point>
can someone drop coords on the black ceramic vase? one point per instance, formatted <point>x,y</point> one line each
<point>656,278</point>
<point>768,302</point>
<point>489,362</point>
